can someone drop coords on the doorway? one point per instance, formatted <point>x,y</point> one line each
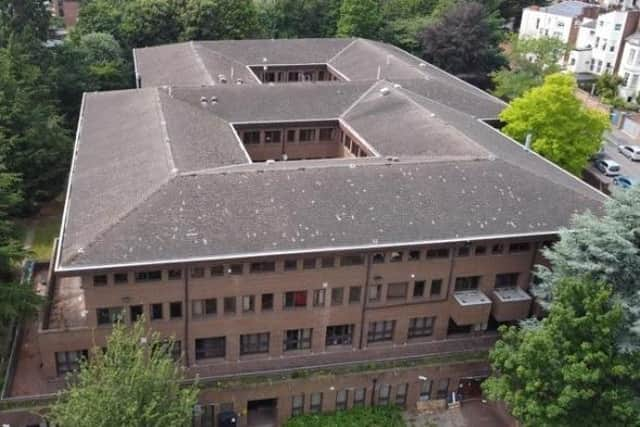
<point>262,413</point>
<point>470,388</point>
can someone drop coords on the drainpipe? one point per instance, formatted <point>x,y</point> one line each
<point>187,313</point>
<point>364,299</point>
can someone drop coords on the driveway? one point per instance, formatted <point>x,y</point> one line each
<point>472,413</point>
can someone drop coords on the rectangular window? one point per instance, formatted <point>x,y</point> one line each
<point>421,327</point>
<point>210,348</point>
<point>295,299</point>
<point>349,260</point>
<point>251,137</point>
<point>266,302</point>
<point>339,335</point>
<point>204,308</point>
<point>354,294</point>
<point>397,291</point>
<point>401,394</point>
<point>519,247</point>
<point>337,296</point>
<point>497,249</point>
<point>197,272</point>
<point>290,264</point>
<point>229,305</point>
<point>120,278</point>
<point>443,388</point>
<point>414,255</point>
<point>436,287</point>
<point>375,292</point>
<point>254,343</point>
<point>327,262</point>
<point>263,267</point>
<point>359,396</point>
<point>425,389</point>
<point>464,251</point>
<point>327,134</point>
<point>107,316</point>
<point>378,258</point>
<point>617,27</point>
<point>272,136</point>
<point>383,394</point>
<point>480,250</point>
<point>175,310</point>
<point>100,280</point>
<point>395,256</point>
<point>315,406</point>
<point>381,331</point>
<point>156,311</point>
<point>418,288</point>
<point>297,405</point>
<point>176,274</point>
<point>293,76</point>
<point>291,135</point>
<point>148,276</point>
<point>307,135</point>
<point>217,271</point>
<point>69,361</point>
<point>135,312</point>
<point>235,269</point>
<point>248,304</point>
<point>506,280</point>
<point>297,339</point>
<point>318,297</point>
<point>341,400</point>
<point>437,253</point>
<point>308,263</point>
<point>468,283</point>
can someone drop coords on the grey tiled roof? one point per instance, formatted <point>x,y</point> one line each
<point>568,8</point>
<point>159,176</point>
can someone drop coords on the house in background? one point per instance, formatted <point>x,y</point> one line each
<point>560,20</point>
<point>67,10</point>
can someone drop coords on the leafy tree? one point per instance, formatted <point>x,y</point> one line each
<point>23,17</point>
<point>607,87</point>
<point>298,18</point>
<point>563,129</point>
<point>530,60</point>
<point>464,42</point>
<point>102,16</point>
<point>567,370</point>
<point>359,18</point>
<point>602,248</point>
<point>218,19</point>
<point>134,383</point>
<point>150,22</point>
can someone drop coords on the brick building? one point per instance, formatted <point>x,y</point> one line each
<point>319,223</point>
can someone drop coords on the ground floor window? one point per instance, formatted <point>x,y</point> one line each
<point>68,361</point>
<point>297,339</point>
<point>383,394</point>
<point>381,331</point>
<point>341,400</point>
<point>110,315</point>
<point>297,405</point>
<point>254,343</point>
<point>209,348</point>
<point>421,327</point>
<point>425,389</point>
<point>339,335</point>
<point>401,394</point>
<point>316,403</point>
<point>443,388</point>
<point>359,395</point>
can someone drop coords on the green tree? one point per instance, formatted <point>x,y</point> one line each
<point>218,20</point>
<point>567,370</point>
<point>298,18</point>
<point>150,22</point>
<point>563,129</point>
<point>28,17</point>
<point>134,383</point>
<point>530,60</point>
<point>102,16</point>
<point>607,87</point>
<point>359,18</point>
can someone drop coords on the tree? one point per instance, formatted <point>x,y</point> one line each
<point>530,60</point>
<point>607,87</point>
<point>150,22</point>
<point>134,383</point>
<point>359,18</point>
<point>563,129</point>
<point>29,17</point>
<point>464,42</point>
<point>567,370</point>
<point>404,20</point>
<point>603,248</point>
<point>102,16</point>
<point>218,19</point>
<point>298,18</point>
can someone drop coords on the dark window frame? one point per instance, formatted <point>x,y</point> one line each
<point>211,348</point>
<point>257,343</point>
<point>339,335</point>
<point>381,331</point>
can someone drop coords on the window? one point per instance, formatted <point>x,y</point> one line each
<point>175,310</point>
<point>248,304</point>
<point>204,308</point>
<point>425,389</point>
<point>397,290</point>
<point>341,400</point>
<point>210,348</point>
<point>107,316</point>
<point>293,76</point>
<point>176,274</point>
<point>100,280</point>
<point>401,394</point>
<point>421,327</point>
<point>235,269</point>
<point>617,27</point>
<point>383,394</point>
<point>443,388</point>
<point>254,343</point>
<point>156,311</point>
<point>272,136</point>
<point>337,296</point>
<point>349,260</point>
<point>120,278</point>
<point>326,134</point>
<point>291,135</point>
<point>339,335</point>
<point>480,250</point>
<point>381,331</point>
<point>467,283</point>
<point>464,251</point>
<point>297,405</point>
<point>375,291</point>
<point>414,255</point>
<point>263,267</point>
<point>436,287</point>
<point>266,302</point>
<point>327,262</point>
<point>318,297</point>
<point>354,294</point>
<point>497,248</point>
<point>506,280</point>
<point>438,253</point>
<point>217,271</point>
<point>297,339</point>
<point>418,288</point>
<point>631,57</point>
<point>229,305</point>
<point>395,256</point>
<point>269,77</point>
<point>197,272</point>
<point>378,258</point>
<point>308,263</point>
<point>251,137</point>
<point>69,361</point>
<point>295,299</point>
<point>359,395</point>
<point>148,276</point>
<point>307,135</point>
<point>290,264</point>
<point>519,247</point>
<point>315,405</point>
<point>135,312</point>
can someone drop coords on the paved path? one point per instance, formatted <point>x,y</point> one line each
<point>470,414</point>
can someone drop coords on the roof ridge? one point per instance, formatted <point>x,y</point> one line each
<point>165,133</point>
<point>343,49</point>
<point>360,98</point>
<point>228,58</point>
<point>200,63</point>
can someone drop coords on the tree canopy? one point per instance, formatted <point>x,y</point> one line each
<point>218,19</point>
<point>563,129</point>
<point>359,18</point>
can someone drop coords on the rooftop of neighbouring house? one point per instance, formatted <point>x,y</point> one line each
<point>160,176</point>
<point>567,8</point>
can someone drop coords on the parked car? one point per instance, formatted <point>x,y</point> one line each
<point>624,182</point>
<point>607,167</point>
<point>630,151</point>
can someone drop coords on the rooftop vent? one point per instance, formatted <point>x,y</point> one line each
<point>203,101</point>
<point>214,100</point>
<point>423,65</point>
<point>385,91</point>
<point>239,81</point>
<point>222,78</point>
<point>270,161</point>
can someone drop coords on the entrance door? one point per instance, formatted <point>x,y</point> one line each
<point>470,388</point>
<point>262,413</point>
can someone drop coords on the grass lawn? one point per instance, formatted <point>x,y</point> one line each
<point>376,416</point>
<point>45,230</point>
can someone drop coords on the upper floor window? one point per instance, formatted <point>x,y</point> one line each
<point>617,27</point>
<point>348,260</point>
<point>100,280</point>
<point>148,276</point>
<point>397,290</point>
<point>120,278</point>
<point>339,335</point>
<point>254,343</point>
<point>381,331</point>
<point>209,348</point>
<point>437,253</point>
<point>263,267</point>
<point>506,280</point>
<point>326,134</point>
<point>176,274</point>
<point>519,247</point>
<point>109,315</point>
<point>272,136</point>
<point>297,339</point>
<point>307,135</point>
<point>295,299</point>
<point>204,307</point>
<point>69,361</point>
<point>467,283</point>
<point>251,137</point>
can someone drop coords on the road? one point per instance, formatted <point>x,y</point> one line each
<point>627,167</point>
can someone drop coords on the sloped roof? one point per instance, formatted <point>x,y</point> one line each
<point>568,8</point>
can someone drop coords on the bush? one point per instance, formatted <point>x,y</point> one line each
<point>376,416</point>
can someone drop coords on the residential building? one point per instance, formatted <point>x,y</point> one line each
<point>287,206</point>
<point>560,20</point>
<point>67,10</point>
<point>630,68</point>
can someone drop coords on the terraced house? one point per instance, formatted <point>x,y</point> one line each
<point>320,224</point>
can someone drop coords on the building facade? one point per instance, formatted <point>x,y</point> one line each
<point>559,20</point>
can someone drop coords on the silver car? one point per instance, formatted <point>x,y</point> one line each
<point>630,151</point>
<point>608,167</point>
